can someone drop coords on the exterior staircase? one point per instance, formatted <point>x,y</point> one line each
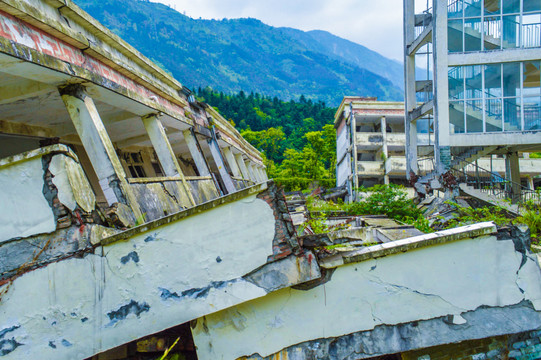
<point>460,161</point>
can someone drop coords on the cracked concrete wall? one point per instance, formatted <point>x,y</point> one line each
<point>39,184</point>
<point>451,279</point>
<point>156,278</point>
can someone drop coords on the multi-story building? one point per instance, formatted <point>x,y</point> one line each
<point>371,147</point>
<point>371,143</point>
<point>482,85</point>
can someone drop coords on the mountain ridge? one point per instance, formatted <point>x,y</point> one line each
<point>246,54</point>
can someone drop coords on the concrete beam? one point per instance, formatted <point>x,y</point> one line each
<point>98,146</point>
<point>421,111</point>
<point>23,89</point>
<point>494,57</point>
<point>165,153</point>
<point>423,39</point>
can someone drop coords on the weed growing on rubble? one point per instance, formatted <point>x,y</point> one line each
<point>531,216</point>
<point>469,215</point>
<point>390,200</point>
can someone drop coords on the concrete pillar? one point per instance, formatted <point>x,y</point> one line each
<point>264,173</point>
<point>242,166</point>
<point>531,185</point>
<point>384,148</point>
<point>442,149</point>
<point>261,173</point>
<point>512,169</point>
<point>250,168</point>
<point>98,146</point>
<point>197,154</point>
<point>219,160</point>
<point>165,153</point>
<point>410,94</point>
<point>228,154</point>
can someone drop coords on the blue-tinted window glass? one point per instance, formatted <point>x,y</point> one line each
<point>532,113</point>
<point>454,9</point>
<point>456,117</point>
<point>493,80</point>
<point>472,8</point>
<point>492,29</point>
<point>454,36</point>
<point>532,5</point>
<point>474,116</point>
<point>511,111</point>
<point>456,82</point>
<point>474,81</point>
<point>493,115</point>
<point>511,79</point>
<point>511,32</point>
<point>511,6</point>
<point>531,78</point>
<point>472,34</point>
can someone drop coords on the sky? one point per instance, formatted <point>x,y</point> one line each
<point>376,24</point>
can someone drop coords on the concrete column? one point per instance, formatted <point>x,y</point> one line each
<point>260,172</point>
<point>410,94</point>
<point>165,153</point>
<point>250,168</point>
<point>512,169</point>
<point>531,185</point>
<point>197,154</point>
<point>442,150</point>
<point>384,148</point>
<point>264,173</point>
<point>242,166</point>
<point>219,160</point>
<point>98,146</point>
<point>228,154</point>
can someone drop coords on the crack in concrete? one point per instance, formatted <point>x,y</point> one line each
<point>401,287</point>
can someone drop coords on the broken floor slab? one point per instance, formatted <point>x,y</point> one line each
<point>471,279</point>
<point>155,276</point>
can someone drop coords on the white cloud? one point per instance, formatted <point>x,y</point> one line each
<point>376,24</point>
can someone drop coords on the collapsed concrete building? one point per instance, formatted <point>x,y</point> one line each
<point>371,149</point>
<point>131,214</point>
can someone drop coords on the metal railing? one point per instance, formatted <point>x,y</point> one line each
<point>493,184</point>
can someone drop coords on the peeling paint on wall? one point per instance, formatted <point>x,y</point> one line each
<point>447,279</point>
<point>128,289</point>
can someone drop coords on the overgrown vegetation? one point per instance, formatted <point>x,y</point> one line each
<point>297,138</point>
<point>390,200</point>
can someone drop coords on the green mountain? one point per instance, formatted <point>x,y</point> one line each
<point>246,54</point>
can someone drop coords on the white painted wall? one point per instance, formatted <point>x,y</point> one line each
<point>24,211</point>
<point>67,303</point>
<point>421,284</point>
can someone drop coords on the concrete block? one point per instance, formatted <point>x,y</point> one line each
<point>480,356</point>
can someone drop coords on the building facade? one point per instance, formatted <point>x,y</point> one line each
<point>483,80</point>
<point>371,148</point>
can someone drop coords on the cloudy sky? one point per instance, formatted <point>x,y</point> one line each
<point>376,24</point>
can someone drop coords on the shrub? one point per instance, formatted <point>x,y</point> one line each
<point>390,200</point>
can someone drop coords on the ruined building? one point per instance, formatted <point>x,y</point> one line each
<point>371,145</point>
<point>482,87</point>
<point>134,218</point>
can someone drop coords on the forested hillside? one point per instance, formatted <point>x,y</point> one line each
<point>246,54</point>
<point>296,137</point>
